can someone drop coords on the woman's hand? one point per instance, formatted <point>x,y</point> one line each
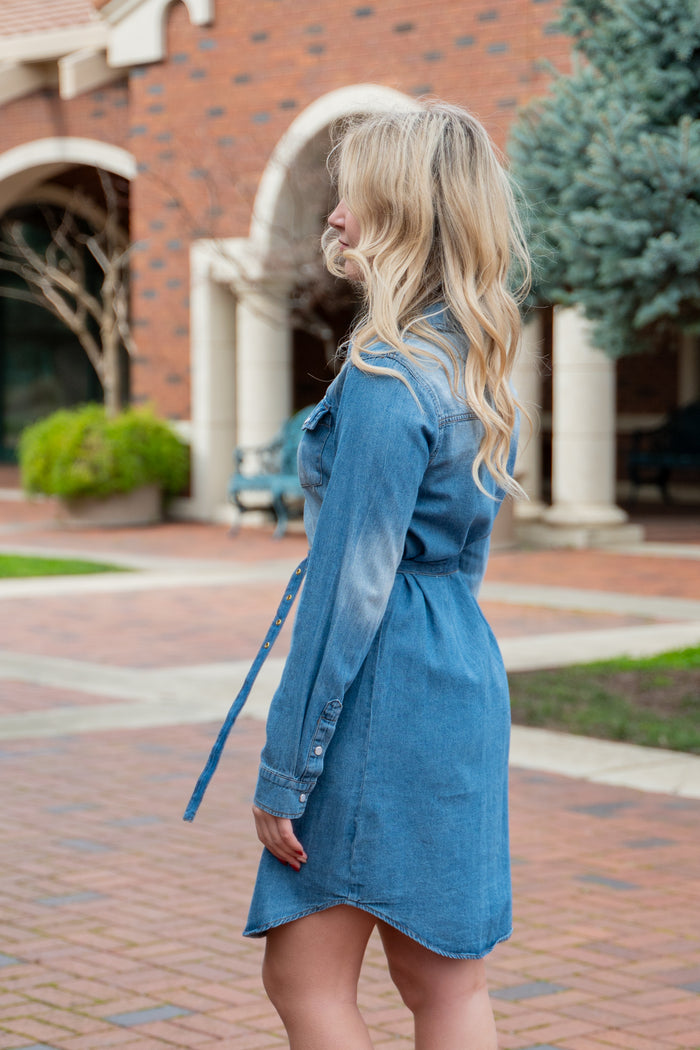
<point>277,836</point>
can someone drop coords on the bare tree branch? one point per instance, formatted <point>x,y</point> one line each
<point>57,277</point>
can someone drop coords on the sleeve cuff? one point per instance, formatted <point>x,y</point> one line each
<point>280,795</point>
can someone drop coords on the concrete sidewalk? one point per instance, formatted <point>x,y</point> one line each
<point>121,924</point>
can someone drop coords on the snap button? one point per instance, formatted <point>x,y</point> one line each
<point>277,623</point>
<point>298,572</point>
<point>302,797</point>
<point>266,645</point>
<point>318,750</point>
<point>288,598</point>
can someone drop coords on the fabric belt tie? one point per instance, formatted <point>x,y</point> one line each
<point>237,705</point>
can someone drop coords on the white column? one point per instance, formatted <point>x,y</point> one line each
<point>583,428</point>
<point>264,364</point>
<point>527,382</point>
<point>212,319</point>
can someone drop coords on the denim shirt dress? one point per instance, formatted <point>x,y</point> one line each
<point>387,739</point>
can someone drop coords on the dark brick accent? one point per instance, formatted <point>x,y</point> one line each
<point>241,78</point>
<point>180,58</point>
<point>650,843</point>
<point>363,12</point>
<point>314,30</point>
<point>421,89</point>
<point>85,845</point>
<point>260,37</point>
<point>216,111</point>
<point>433,56</point>
<point>488,16</point>
<point>155,1013</point>
<point>465,41</point>
<point>529,990</point>
<point>602,809</point>
<point>316,49</point>
<point>260,118</point>
<point>499,48</point>
<point>65,899</point>
<point>288,103</point>
<point>136,822</point>
<point>610,884</point>
<point>198,74</point>
<point>207,44</point>
<point>404,27</point>
<point>137,130</point>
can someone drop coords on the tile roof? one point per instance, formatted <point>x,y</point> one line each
<point>35,16</point>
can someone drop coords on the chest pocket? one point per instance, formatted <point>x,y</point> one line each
<point>316,429</point>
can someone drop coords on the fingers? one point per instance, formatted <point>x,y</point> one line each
<point>277,835</point>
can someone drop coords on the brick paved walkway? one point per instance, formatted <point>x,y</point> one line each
<point>121,924</point>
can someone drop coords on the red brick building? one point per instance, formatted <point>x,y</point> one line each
<point>216,113</point>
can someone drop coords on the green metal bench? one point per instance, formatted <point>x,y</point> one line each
<point>270,470</point>
<point>675,445</point>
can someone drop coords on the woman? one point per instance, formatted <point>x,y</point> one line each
<point>382,792</point>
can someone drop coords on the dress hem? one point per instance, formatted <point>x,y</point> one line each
<point>260,931</point>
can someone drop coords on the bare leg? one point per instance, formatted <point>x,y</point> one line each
<point>447,997</point>
<point>310,973</point>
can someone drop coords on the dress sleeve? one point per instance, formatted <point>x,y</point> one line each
<point>386,434</point>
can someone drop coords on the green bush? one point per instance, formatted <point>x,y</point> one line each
<point>80,452</point>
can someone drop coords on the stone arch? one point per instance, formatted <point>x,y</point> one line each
<point>304,144</point>
<point>26,180</point>
<point>33,163</point>
<point>241,340</point>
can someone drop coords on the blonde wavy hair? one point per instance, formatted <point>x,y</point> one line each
<point>438,224</point>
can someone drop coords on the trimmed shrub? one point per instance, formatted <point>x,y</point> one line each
<point>80,452</point>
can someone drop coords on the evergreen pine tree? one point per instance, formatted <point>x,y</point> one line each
<point>609,168</point>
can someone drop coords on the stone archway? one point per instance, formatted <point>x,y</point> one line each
<point>43,365</point>
<point>33,163</point>
<point>241,338</point>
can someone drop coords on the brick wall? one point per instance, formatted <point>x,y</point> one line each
<point>202,123</point>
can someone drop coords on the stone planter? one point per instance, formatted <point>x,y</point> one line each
<point>142,506</point>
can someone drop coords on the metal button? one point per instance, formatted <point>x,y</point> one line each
<point>318,750</point>
<point>266,645</point>
<point>302,797</point>
<point>298,572</point>
<point>277,623</point>
<point>288,598</point>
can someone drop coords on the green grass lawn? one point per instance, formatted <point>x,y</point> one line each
<point>655,701</point>
<point>15,565</point>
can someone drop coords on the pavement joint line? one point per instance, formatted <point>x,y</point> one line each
<point>121,583</point>
<point>552,597</point>
<point>278,571</point>
<point>223,679</point>
<point>652,549</point>
<point>182,700</point>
